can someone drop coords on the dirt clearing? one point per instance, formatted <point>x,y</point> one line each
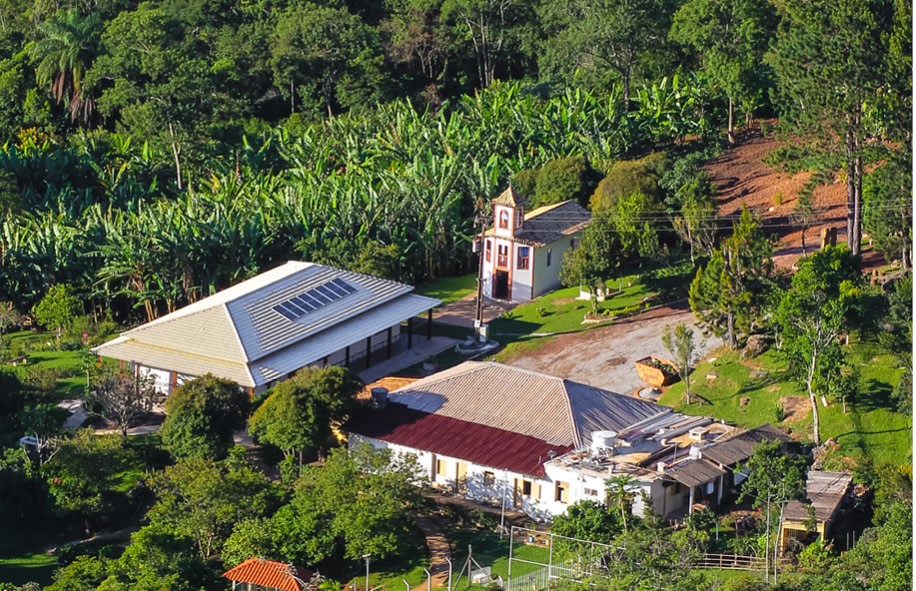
<point>604,357</point>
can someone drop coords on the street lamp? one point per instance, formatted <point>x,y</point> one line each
<point>366,556</point>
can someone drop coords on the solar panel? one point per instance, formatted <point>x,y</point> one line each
<point>314,299</point>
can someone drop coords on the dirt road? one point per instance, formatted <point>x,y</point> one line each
<point>604,357</point>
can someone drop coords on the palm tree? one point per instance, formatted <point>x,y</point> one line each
<point>64,50</point>
<point>620,494</point>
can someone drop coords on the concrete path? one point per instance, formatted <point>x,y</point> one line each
<point>422,350</point>
<point>463,312</point>
<point>439,552</point>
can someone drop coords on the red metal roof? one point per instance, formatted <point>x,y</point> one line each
<point>267,573</point>
<point>479,444</point>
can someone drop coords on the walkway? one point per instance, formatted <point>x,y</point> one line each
<point>422,350</point>
<point>439,553</point>
<point>463,312</point>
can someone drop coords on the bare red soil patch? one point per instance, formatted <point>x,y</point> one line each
<point>741,177</point>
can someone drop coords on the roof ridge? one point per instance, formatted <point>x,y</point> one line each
<point>567,399</point>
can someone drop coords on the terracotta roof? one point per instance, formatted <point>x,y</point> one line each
<point>550,223</point>
<point>825,490</point>
<point>695,472</point>
<point>267,573</point>
<point>447,436</point>
<point>740,447</point>
<point>557,411</point>
<point>509,198</point>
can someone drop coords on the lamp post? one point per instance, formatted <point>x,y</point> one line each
<point>366,556</point>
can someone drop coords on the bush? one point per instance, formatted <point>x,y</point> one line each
<point>563,179</point>
<point>525,183</point>
<point>203,414</point>
<point>629,177</point>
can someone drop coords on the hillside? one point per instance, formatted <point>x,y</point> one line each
<point>740,175</point>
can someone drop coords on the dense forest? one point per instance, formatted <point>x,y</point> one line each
<point>158,151</point>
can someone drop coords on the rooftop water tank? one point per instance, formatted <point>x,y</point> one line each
<point>603,442</point>
<point>379,397</point>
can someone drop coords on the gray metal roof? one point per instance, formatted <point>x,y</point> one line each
<point>241,327</point>
<point>825,490</point>
<point>555,410</point>
<point>740,447</point>
<point>695,472</point>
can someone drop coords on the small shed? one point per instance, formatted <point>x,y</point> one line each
<point>826,491</point>
<point>257,574</point>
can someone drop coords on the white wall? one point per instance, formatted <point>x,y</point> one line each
<point>502,486</point>
<point>548,278</point>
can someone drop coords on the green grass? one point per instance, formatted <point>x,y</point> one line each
<point>525,327</point>
<point>871,428</point>
<point>450,289</point>
<point>38,347</point>
<point>27,566</point>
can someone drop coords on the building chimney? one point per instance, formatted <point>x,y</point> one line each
<point>660,467</point>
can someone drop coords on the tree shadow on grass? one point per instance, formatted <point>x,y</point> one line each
<point>874,395</point>
<point>669,283</point>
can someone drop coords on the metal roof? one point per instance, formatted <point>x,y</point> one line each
<point>556,410</point>
<point>740,447</point>
<point>825,490</point>
<point>270,574</point>
<point>695,472</point>
<point>447,436</point>
<point>239,334</point>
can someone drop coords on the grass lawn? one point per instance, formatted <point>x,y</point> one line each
<point>527,326</point>
<point>871,428</point>
<point>450,289</point>
<point>24,567</point>
<point>71,382</point>
<point>489,549</point>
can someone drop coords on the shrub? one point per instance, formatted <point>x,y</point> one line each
<point>629,177</point>
<point>779,413</point>
<point>563,179</point>
<point>525,183</point>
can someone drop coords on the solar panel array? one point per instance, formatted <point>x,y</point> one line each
<point>314,299</point>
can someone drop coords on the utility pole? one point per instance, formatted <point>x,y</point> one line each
<point>482,220</point>
<point>767,550</point>
<point>366,556</point>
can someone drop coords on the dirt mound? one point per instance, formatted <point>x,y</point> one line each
<point>741,176</point>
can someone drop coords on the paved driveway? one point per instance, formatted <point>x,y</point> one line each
<point>603,357</point>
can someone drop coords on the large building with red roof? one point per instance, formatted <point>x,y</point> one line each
<point>537,443</point>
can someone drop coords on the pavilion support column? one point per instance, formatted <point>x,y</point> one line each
<point>690,505</point>
<point>719,492</point>
<point>410,333</point>
<point>388,345</point>
<point>347,357</point>
<point>429,324</point>
<point>368,352</point>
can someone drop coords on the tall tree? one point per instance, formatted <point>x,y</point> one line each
<point>329,52</point>
<point>605,36</point>
<point>728,295</point>
<point>299,413</point>
<point>591,263</point>
<point>829,60</point>
<point>731,37</point>
<point>821,305</point>
<point>57,309</point>
<point>202,416</point>
<point>123,399</point>
<point>64,50</point>
<point>486,24</point>
<point>678,340</point>
<point>888,208</point>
